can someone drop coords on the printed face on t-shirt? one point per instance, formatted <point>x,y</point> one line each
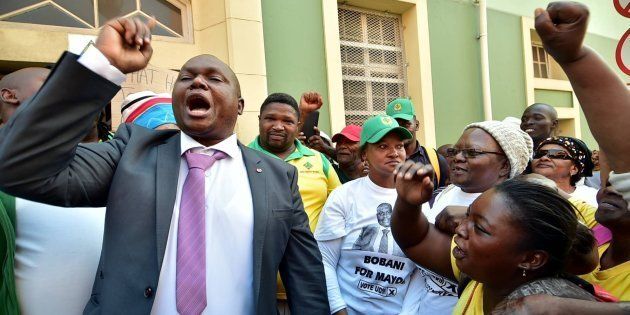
<point>384,214</point>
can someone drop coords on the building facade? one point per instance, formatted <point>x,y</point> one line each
<point>359,54</point>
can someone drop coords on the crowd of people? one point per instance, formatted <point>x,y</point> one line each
<point>174,215</point>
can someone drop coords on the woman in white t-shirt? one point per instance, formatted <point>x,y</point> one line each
<point>566,161</point>
<point>366,271</point>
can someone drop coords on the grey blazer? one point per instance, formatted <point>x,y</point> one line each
<point>135,175</point>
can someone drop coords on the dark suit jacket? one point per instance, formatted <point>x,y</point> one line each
<point>135,175</point>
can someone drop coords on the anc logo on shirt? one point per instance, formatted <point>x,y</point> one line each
<point>387,121</point>
<point>308,165</point>
<point>397,107</point>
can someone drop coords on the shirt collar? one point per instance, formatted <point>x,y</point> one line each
<point>418,150</point>
<point>299,152</point>
<point>229,145</point>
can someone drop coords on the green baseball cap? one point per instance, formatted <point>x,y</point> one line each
<point>401,108</point>
<point>375,128</point>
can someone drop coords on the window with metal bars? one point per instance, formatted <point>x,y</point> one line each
<point>541,61</point>
<point>372,61</point>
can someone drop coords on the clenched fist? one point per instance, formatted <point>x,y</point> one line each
<point>414,182</point>
<point>126,42</point>
<point>562,28</point>
<point>310,102</point>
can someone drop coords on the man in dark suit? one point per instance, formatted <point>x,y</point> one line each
<point>252,225</point>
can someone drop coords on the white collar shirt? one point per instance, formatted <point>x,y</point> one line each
<point>229,235</point>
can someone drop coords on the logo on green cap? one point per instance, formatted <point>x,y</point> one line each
<point>397,107</point>
<point>387,121</point>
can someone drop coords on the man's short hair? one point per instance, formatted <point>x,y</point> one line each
<point>281,98</point>
<point>384,208</point>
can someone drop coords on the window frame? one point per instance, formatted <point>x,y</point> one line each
<point>366,47</point>
<point>540,64</point>
<point>184,5</point>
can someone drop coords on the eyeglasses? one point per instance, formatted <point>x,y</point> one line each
<point>469,153</point>
<point>555,154</point>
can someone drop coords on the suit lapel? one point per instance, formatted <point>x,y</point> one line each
<point>258,186</point>
<point>167,174</point>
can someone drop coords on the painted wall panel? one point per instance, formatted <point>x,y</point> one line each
<point>555,98</point>
<point>455,67</point>
<point>294,50</point>
<point>507,76</point>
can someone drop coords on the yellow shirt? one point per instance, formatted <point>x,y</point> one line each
<point>471,300</point>
<point>586,212</point>
<point>615,280</point>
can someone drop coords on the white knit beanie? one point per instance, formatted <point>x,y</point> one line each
<point>516,143</point>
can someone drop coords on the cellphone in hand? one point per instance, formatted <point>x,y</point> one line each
<point>310,123</point>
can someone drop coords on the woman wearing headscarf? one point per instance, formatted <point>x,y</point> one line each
<point>514,241</point>
<point>566,161</point>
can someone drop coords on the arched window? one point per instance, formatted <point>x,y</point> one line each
<point>172,15</point>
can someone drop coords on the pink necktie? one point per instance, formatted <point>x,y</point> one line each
<point>191,236</point>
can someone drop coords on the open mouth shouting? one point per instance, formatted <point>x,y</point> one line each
<point>197,105</point>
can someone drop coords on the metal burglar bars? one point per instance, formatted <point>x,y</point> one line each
<point>372,61</point>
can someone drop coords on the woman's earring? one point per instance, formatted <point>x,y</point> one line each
<point>524,273</point>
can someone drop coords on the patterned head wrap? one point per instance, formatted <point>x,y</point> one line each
<point>580,154</point>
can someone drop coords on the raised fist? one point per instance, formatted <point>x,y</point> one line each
<point>562,28</point>
<point>126,42</point>
<point>414,182</point>
<point>310,102</point>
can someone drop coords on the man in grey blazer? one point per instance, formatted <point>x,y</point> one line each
<point>139,176</point>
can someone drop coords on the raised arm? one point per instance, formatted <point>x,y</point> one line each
<point>602,94</point>
<point>419,239</point>
<point>40,157</point>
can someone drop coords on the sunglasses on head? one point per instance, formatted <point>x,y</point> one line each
<point>555,154</point>
<point>468,153</point>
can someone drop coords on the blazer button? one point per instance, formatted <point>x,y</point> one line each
<point>148,292</point>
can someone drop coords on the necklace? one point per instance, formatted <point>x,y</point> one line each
<point>472,294</point>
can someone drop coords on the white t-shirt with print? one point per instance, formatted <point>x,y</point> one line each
<point>372,272</point>
<point>438,295</point>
